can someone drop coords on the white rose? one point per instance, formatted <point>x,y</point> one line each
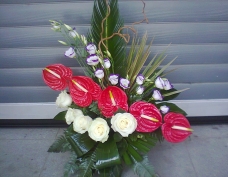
<point>82,123</point>
<point>124,123</point>
<point>99,130</point>
<point>72,114</point>
<point>63,100</point>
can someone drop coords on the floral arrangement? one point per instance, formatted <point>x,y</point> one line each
<point>119,109</point>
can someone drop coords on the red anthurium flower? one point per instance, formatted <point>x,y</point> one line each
<point>56,76</point>
<point>176,127</point>
<point>112,98</point>
<point>84,90</point>
<point>147,115</point>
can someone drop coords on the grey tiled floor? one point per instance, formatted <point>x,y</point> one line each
<point>23,153</point>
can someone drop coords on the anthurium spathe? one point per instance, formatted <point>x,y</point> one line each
<point>112,98</point>
<point>56,76</point>
<point>84,90</point>
<point>176,127</point>
<point>147,115</point>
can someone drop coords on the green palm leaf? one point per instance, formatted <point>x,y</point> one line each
<point>60,145</point>
<point>113,22</point>
<point>143,168</point>
<point>81,143</point>
<point>107,154</point>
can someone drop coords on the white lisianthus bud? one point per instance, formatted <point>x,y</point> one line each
<point>62,42</point>
<point>91,48</point>
<point>140,79</point>
<point>68,27</point>
<point>99,130</point>
<point>159,83</point>
<point>92,60</point>
<point>84,40</point>
<point>63,100</point>
<point>72,114</point>
<point>107,63</point>
<point>157,95</point>
<point>99,73</point>
<point>56,28</point>
<point>73,33</point>
<point>124,123</point>
<point>113,78</point>
<point>140,90</point>
<point>167,84</point>
<point>124,83</point>
<point>164,109</point>
<point>82,123</point>
<point>70,53</point>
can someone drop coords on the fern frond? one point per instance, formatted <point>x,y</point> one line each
<point>143,168</point>
<point>60,145</point>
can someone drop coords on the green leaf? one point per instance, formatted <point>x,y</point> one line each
<point>81,143</point>
<point>127,158</point>
<point>171,94</point>
<point>173,108</point>
<point>60,145</point>
<point>86,165</point>
<point>107,154</point>
<point>114,171</point>
<point>71,167</point>
<point>94,108</point>
<point>122,146</point>
<point>61,116</point>
<point>143,168</point>
<point>157,134</point>
<point>134,153</point>
<point>142,142</point>
<point>117,137</point>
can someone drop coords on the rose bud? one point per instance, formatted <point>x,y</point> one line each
<point>63,100</point>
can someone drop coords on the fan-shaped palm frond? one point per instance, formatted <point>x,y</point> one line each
<point>104,23</point>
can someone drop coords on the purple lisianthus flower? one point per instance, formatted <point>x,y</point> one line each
<point>73,33</point>
<point>167,84</point>
<point>114,78</point>
<point>70,53</point>
<point>91,48</point>
<point>159,83</point>
<point>92,60</point>
<point>157,95</point>
<point>140,79</point>
<point>124,83</point>
<point>164,109</point>
<point>140,90</point>
<point>107,63</point>
<point>99,73</point>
